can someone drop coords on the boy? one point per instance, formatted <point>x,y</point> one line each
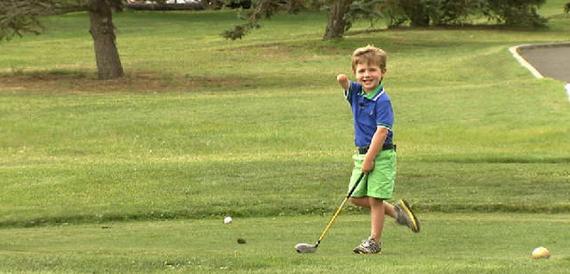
<point>376,154</point>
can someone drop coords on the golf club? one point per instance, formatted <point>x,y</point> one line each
<point>309,248</point>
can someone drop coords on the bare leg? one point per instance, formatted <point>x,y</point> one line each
<point>365,202</point>
<point>361,202</point>
<point>376,218</point>
<point>389,210</point>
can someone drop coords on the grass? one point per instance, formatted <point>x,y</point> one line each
<point>449,243</point>
<point>202,127</point>
<point>189,127</point>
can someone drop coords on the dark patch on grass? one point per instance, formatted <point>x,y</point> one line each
<point>462,27</point>
<point>506,160</point>
<point>85,81</point>
<point>493,208</point>
<point>320,210</point>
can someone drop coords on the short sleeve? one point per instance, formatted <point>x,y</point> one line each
<point>353,89</point>
<point>384,114</point>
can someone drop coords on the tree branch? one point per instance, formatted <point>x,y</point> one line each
<point>262,9</point>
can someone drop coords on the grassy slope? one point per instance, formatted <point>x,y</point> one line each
<point>258,127</point>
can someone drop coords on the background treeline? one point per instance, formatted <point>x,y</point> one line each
<point>415,13</point>
<point>439,12</point>
<point>19,17</point>
<point>449,12</point>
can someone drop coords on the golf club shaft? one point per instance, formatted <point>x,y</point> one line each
<point>339,208</point>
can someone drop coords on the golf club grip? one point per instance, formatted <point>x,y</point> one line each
<point>339,208</point>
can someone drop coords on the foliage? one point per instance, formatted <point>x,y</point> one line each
<point>262,9</point>
<point>369,10</point>
<point>450,12</point>
<point>18,17</point>
<point>394,13</point>
<point>567,7</point>
<point>416,11</point>
<point>420,13</point>
<point>515,12</point>
<point>116,5</point>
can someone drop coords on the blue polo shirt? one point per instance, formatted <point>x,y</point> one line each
<point>369,111</point>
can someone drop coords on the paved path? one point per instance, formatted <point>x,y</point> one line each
<point>550,61</point>
<point>546,61</point>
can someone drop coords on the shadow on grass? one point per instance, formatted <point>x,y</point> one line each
<point>196,212</point>
<point>462,27</point>
<point>505,160</point>
<point>72,81</point>
<point>493,207</point>
<point>213,212</point>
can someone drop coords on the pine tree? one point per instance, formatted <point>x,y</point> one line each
<point>20,17</point>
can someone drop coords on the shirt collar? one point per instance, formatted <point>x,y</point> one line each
<point>374,95</point>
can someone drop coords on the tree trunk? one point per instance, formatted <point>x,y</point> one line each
<point>337,24</point>
<point>103,32</point>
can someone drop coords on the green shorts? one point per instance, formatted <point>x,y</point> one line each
<point>380,182</point>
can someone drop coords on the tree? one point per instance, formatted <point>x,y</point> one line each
<point>103,32</point>
<point>262,9</point>
<point>515,12</point>
<point>416,11</point>
<point>423,13</point>
<point>18,17</point>
<point>337,22</point>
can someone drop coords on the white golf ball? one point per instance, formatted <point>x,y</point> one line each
<point>540,253</point>
<point>228,220</point>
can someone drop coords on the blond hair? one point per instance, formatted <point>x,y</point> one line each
<point>369,55</point>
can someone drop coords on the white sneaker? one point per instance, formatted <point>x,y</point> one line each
<point>368,246</point>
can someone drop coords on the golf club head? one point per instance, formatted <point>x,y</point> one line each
<point>305,248</point>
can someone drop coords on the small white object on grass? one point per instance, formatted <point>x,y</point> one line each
<point>540,253</point>
<point>228,220</point>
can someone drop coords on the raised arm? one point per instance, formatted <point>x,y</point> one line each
<point>343,81</point>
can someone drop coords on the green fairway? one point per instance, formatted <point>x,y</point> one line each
<point>474,130</point>
<point>136,174</point>
<point>449,243</point>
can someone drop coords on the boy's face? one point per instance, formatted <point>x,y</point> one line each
<point>369,75</point>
